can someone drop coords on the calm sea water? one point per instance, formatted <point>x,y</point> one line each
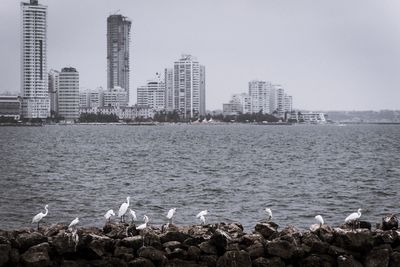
<point>234,171</point>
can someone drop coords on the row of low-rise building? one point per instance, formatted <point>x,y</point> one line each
<point>262,96</point>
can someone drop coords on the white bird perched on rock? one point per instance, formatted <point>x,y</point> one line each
<point>109,214</point>
<point>354,216</point>
<point>143,225</point>
<point>320,220</point>
<point>38,217</point>
<point>269,213</point>
<point>123,209</point>
<point>201,215</point>
<point>133,215</point>
<point>73,223</point>
<point>170,214</point>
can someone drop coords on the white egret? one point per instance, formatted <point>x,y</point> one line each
<point>73,223</point>
<point>269,213</point>
<point>320,220</point>
<point>75,237</point>
<point>108,214</point>
<point>354,216</point>
<point>123,209</point>
<point>133,215</point>
<point>170,214</point>
<point>201,215</point>
<point>38,217</point>
<point>143,226</point>
<point>202,219</point>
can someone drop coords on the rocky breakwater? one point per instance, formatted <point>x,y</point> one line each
<point>208,245</point>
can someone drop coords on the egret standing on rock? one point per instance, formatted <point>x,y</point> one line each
<point>133,215</point>
<point>73,223</point>
<point>109,214</point>
<point>320,220</point>
<point>143,227</point>
<point>123,209</point>
<point>38,217</point>
<point>201,215</point>
<point>170,214</point>
<point>269,213</point>
<point>353,217</point>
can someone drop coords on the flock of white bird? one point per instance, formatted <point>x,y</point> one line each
<point>123,210</point>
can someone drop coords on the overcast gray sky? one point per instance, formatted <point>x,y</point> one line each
<point>330,55</point>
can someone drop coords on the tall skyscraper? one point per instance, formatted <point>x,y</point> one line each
<point>189,86</point>
<point>259,92</point>
<point>169,89</point>
<point>118,39</point>
<point>152,95</point>
<point>68,94</point>
<point>34,79</point>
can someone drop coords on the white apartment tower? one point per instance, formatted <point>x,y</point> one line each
<point>152,95</point>
<point>68,94</point>
<point>189,86</point>
<point>259,92</point>
<point>34,79</point>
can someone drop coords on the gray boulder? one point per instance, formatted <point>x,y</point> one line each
<point>36,256</point>
<point>234,258</point>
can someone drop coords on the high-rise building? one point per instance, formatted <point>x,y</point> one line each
<point>53,83</point>
<point>169,89</point>
<point>117,97</point>
<point>118,39</point>
<point>68,94</point>
<point>152,95</point>
<point>189,86</point>
<point>34,79</point>
<point>244,100</point>
<point>259,92</point>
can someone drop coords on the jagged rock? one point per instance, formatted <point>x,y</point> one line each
<point>75,263</point>
<point>63,243</point>
<point>378,257</point>
<point>183,263</point>
<point>174,236</point>
<point>37,255</point>
<point>209,260</point>
<point>134,242</point>
<point>172,245</point>
<point>395,259</point>
<point>325,233</point>
<point>193,253</point>
<point>384,237</point>
<point>336,251</point>
<point>152,239</point>
<point>4,253</point>
<point>201,231</point>
<point>248,240</point>
<point>193,241</point>
<point>220,240</point>
<point>356,225</point>
<point>54,229</point>
<point>317,260</point>
<point>268,230</point>
<point>177,253</point>
<point>233,246</point>
<point>152,254</point>
<point>347,261</point>
<point>208,248</point>
<point>281,248</point>
<point>108,262</point>
<point>124,253</point>
<point>234,258</point>
<point>27,240</point>
<point>235,230</point>
<point>390,222</point>
<point>360,240</point>
<point>271,262</point>
<point>291,231</point>
<point>99,246</point>
<point>256,250</point>
<point>314,243</point>
<point>14,257</point>
<point>141,262</point>
<point>116,231</point>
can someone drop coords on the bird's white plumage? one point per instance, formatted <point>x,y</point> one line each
<point>202,213</point>
<point>38,217</point>
<point>319,219</point>
<point>269,213</point>
<point>108,214</point>
<point>171,213</point>
<point>143,225</point>
<point>354,216</point>
<point>74,222</point>
<point>133,215</point>
<point>123,208</point>
<point>202,219</point>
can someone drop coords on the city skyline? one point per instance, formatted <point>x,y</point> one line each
<point>327,56</point>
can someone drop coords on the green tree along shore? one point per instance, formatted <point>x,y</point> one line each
<point>92,117</point>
